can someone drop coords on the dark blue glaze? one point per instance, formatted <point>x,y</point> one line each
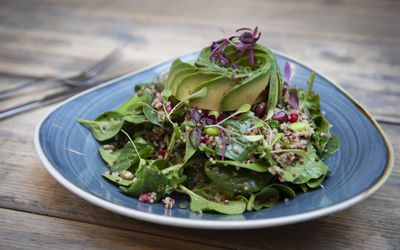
<point>359,163</point>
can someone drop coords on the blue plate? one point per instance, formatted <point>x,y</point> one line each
<point>70,153</point>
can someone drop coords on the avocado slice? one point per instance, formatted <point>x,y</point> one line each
<point>247,92</point>
<point>176,67</point>
<point>178,78</point>
<point>216,88</point>
<point>191,82</point>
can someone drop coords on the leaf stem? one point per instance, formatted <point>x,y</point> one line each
<point>133,144</point>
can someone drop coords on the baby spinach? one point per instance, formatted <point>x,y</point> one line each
<point>313,183</point>
<point>257,167</point>
<point>148,179</point>
<point>190,150</point>
<point>199,203</point>
<point>267,197</point>
<point>114,177</point>
<point>109,156</point>
<point>233,181</point>
<point>135,119</point>
<point>331,147</point>
<point>311,168</point>
<point>124,108</point>
<point>127,156</point>
<point>105,126</point>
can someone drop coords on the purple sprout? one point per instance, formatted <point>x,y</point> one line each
<point>242,43</point>
<point>288,74</point>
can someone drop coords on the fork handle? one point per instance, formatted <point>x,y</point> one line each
<point>12,91</point>
<point>20,109</point>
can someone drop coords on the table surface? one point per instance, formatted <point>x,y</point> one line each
<point>356,43</point>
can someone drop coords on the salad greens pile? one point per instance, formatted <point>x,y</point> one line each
<point>228,131</point>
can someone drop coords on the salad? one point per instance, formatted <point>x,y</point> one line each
<point>229,132</point>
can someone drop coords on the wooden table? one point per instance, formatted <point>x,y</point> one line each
<point>356,43</point>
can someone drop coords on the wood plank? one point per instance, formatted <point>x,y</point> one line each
<point>35,191</point>
<point>19,230</point>
<point>367,68</point>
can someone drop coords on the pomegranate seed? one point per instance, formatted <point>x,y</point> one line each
<point>260,108</point>
<point>147,197</point>
<point>280,116</point>
<point>161,153</point>
<point>293,117</point>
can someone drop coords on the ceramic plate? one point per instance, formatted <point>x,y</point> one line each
<point>69,152</point>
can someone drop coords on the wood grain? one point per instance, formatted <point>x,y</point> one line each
<point>356,43</point>
<point>52,233</point>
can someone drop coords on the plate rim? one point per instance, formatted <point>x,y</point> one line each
<point>210,224</point>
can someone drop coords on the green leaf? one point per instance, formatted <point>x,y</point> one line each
<point>107,156</point>
<point>309,100</point>
<point>257,167</point>
<point>285,190</point>
<point>123,109</point>
<point>105,126</point>
<point>127,156</point>
<point>176,135</point>
<point>321,124</point>
<point>314,183</point>
<point>267,197</point>
<point>189,149</point>
<point>135,119</point>
<point>243,109</point>
<point>312,168</point>
<point>198,203</point>
<point>148,179</point>
<point>236,181</point>
<point>114,177</point>
<point>331,147</point>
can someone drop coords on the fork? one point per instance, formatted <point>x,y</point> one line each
<point>85,78</point>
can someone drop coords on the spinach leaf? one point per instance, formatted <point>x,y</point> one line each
<point>190,150</point>
<point>114,177</point>
<point>107,156</point>
<point>331,147</point>
<point>105,126</point>
<point>285,190</point>
<point>135,119</point>
<point>313,183</point>
<point>232,181</point>
<point>176,135</point>
<point>148,179</point>
<point>257,167</point>
<point>267,197</point>
<point>321,124</point>
<point>123,109</point>
<point>127,156</point>
<point>199,203</point>
<point>312,168</point>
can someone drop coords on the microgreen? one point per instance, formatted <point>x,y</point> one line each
<point>242,43</point>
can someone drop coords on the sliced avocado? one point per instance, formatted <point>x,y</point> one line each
<point>176,67</point>
<point>247,92</point>
<point>180,74</point>
<point>216,88</point>
<point>191,82</point>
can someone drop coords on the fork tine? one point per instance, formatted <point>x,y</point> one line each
<point>102,65</point>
